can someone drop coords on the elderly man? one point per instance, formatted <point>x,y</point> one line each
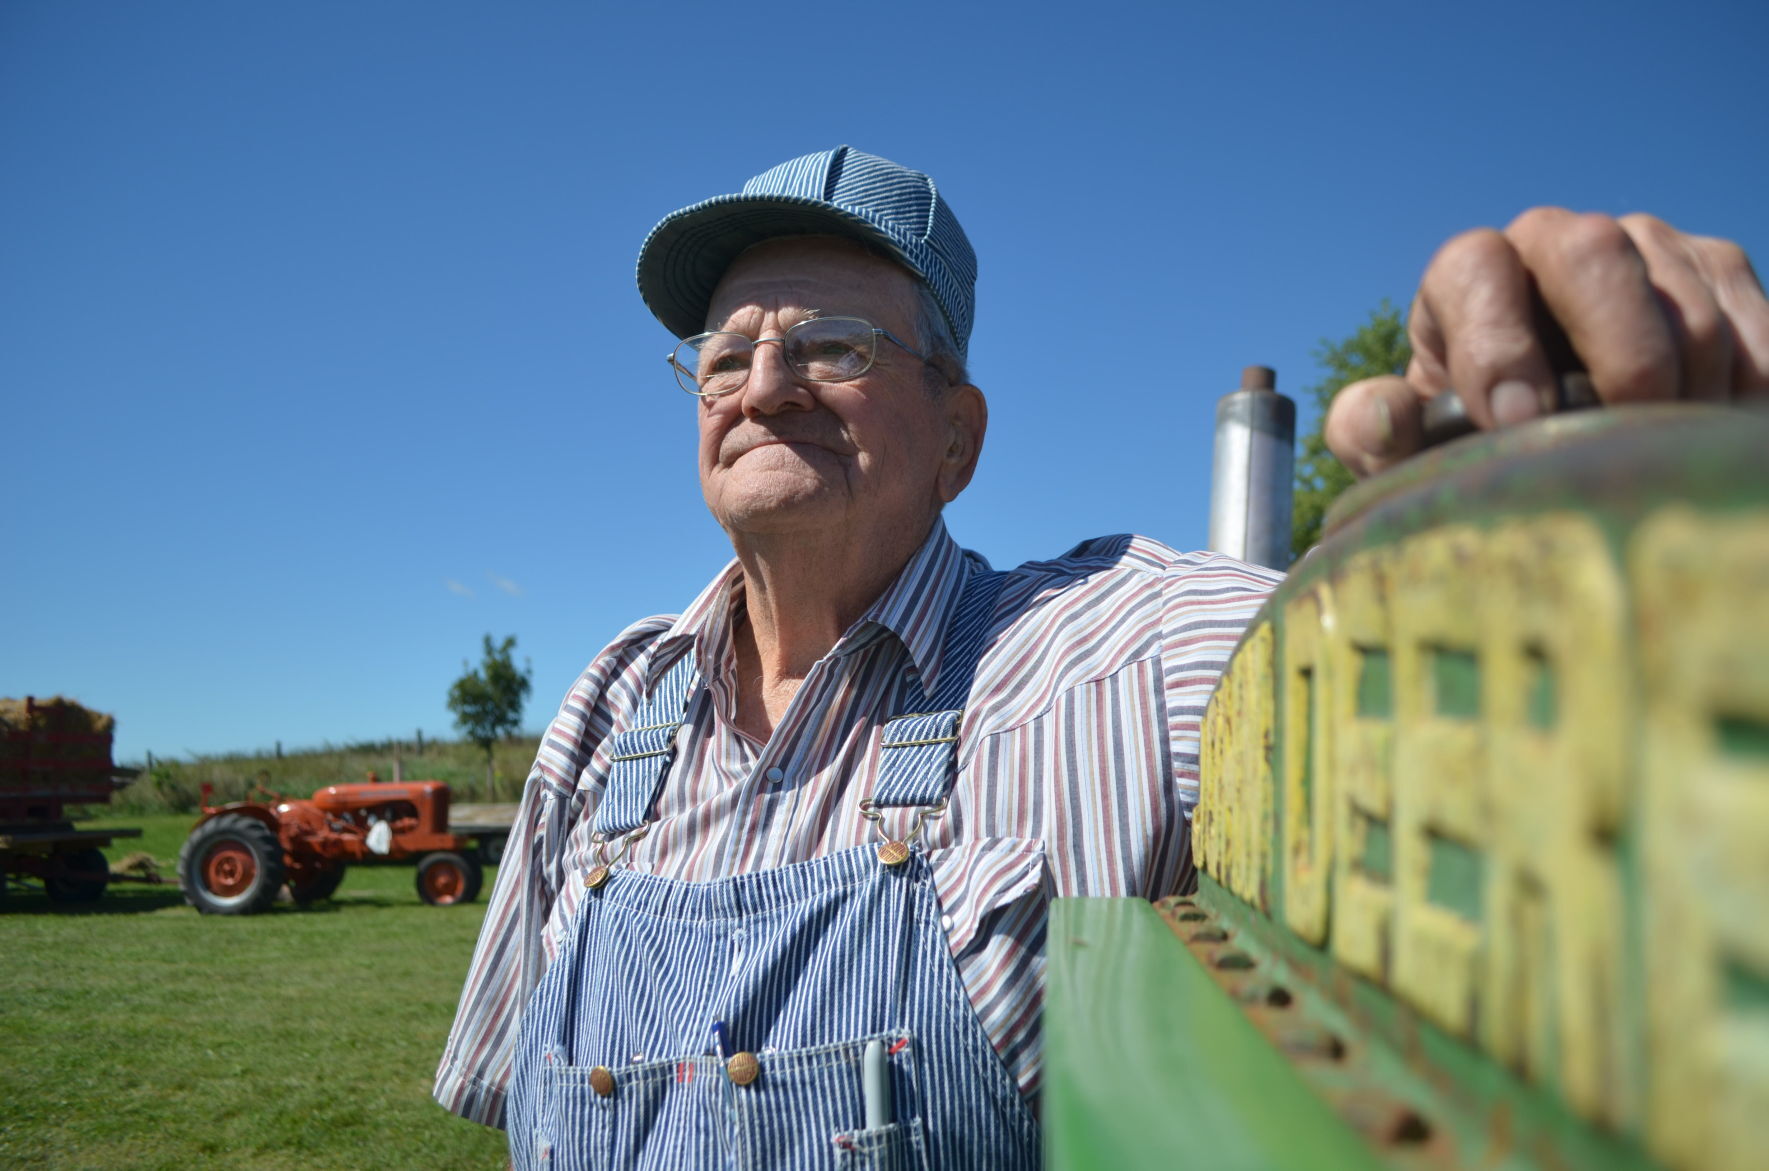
<point>777,894</point>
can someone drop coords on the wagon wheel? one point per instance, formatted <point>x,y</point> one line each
<point>231,865</point>
<point>445,879</point>
<point>78,876</point>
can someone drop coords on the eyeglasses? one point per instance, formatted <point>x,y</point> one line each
<point>817,349</point>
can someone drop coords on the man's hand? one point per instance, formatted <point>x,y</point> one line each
<point>1650,312</point>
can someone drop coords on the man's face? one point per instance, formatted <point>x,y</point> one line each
<point>784,455</point>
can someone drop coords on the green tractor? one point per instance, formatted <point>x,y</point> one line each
<point>1483,836</point>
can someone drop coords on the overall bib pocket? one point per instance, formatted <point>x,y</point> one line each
<point>897,1147</point>
<point>798,1108</point>
<point>807,1108</point>
<point>661,1114</point>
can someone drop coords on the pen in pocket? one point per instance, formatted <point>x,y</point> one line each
<point>875,1085</point>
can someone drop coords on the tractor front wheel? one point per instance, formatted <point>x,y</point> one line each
<point>231,865</point>
<point>446,879</point>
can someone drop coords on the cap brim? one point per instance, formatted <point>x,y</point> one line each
<point>686,255</point>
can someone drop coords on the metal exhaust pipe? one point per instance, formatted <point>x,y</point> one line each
<point>1254,471</point>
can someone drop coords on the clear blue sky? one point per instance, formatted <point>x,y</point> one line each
<point>320,353</point>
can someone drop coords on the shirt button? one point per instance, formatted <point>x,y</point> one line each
<point>602,1081</point>
<point>946,923</point>
<point>775,775</point>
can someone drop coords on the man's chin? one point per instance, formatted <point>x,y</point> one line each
<point>779,505</point>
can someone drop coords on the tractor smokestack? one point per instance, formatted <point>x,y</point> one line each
<point>1254,468</point>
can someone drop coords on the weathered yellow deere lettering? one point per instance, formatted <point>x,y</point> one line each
<point>1456,708</point>
<point>1361,702</point>
<point>1705,822</point>
<point>1210,788</point>
<point>1308,775</point>
<point>1484,824</point>
<point>1558,710</point>
<point>1439,775</point>
<point>1247,843</point>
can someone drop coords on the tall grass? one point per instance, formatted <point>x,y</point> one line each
<point>175,786</point>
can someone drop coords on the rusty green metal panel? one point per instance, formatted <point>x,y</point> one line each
<point>1483,835</point>
<point>1484,787</point>
<point>1149,1064</point>
<point>1418,1096</point>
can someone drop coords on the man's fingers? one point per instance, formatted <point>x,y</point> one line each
<point>1475,323</point>
<point>1426,370</point>
<point>1596,284</point>
<point>1727,271</point>
<point>1646,311</point>
<point>1374,424</point>
<point>1699,325</point>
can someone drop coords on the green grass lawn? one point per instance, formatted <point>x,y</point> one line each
<point>136,1034</point>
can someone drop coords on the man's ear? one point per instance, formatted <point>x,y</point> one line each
<point>967,418</point>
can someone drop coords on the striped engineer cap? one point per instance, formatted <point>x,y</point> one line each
<point>843,192</point>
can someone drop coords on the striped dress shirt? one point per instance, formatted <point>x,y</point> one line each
<point>1077,770</point>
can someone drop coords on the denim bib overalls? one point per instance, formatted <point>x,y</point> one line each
<point>723,1024</point>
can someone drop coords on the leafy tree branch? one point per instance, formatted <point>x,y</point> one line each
<point>487,701</point>
<point>1379,346</point>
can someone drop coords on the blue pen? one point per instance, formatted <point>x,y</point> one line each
<point>721,1041</point>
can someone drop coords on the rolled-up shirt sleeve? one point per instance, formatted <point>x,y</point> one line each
<point>512,951</point>
<point>507,963</point>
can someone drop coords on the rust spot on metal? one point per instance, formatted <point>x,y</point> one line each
<point>1311,1041</point>
<point>1400,1129</point>
<point>1384,1119</point>
<point>1266,994</point>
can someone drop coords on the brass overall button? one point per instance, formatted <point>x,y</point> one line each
<point>602,1081</point>
<point>894,853</point>
<point>743,1068</point>
<point>596,877</point>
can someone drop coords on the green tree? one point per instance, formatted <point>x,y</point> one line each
<point>1379,346</point>
<point>487,702</point>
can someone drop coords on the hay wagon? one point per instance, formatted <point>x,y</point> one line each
<point>1483,839</point>
<point>55,754</point>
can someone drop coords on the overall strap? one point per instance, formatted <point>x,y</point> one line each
<point>641,755</point>
<point>919,761</point>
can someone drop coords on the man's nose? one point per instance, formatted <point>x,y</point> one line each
<point>772,386</point>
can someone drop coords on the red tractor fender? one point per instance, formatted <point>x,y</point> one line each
<point>253,809</point>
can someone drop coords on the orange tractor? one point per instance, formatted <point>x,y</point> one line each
<point>240,854</point>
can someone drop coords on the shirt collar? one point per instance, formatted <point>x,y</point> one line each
<point>913,607</point>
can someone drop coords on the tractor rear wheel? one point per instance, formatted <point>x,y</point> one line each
<point>445,879</point>
<point>78,876</point>
<point>318,884</point>
<point>231,865</point>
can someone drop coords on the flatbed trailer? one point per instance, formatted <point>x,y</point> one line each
<point>53,755</point>
<point>488,826</point>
